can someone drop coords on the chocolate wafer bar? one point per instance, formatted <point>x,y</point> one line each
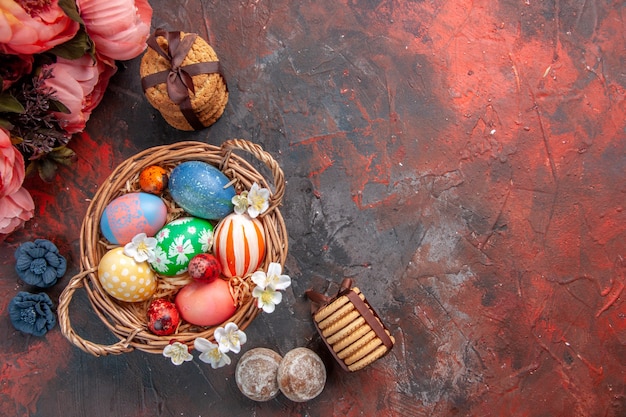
<point>350,327</point>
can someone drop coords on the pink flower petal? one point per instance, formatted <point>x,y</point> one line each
<point>119,28</point>
<point>11,166</point>
<point>21,33</point>
<point>80,85</point>
<point>15,209</point>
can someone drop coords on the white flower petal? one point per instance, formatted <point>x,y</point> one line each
<point>130,250</point>
<point>277,297</point>
<point>203,345</point>
<point>139,238</point>
<point>231,327</point>
<point>219,333</point>
<point>224,361</point>
<point>258,199</point>
<point>269,308</point>
<point>177,352</point>
<point>260,279</point>
<point>257,291</point>
<point>283,282</point>
<point>253,212</point>
<point>242,337</point>
<point>274,269</point>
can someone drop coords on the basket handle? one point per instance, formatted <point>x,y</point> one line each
<point>95,349</point>
<point>278,177</point>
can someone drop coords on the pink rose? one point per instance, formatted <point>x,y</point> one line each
<point>16,204</point>
<point>79,84</point>
<point>119,28</point>
<point>15,210</point>
<point>30,29</point>
<point>11,166</point>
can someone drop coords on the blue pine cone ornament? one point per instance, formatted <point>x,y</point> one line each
<point>39,263</point>
<point>32,313</point>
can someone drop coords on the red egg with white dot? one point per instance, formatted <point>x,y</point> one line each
<point>163,317</point>
<point>204,267</point>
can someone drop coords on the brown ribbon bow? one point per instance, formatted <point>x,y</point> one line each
<point>319,300</point>
<point>178,79</point>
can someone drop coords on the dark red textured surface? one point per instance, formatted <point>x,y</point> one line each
<point>463,162</point>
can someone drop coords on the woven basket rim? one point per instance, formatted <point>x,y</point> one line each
<point>127,321</point>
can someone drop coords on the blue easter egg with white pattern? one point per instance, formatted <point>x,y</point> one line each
<point>200,189</point>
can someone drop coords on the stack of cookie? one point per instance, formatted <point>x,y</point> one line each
<point>352,330</point>
<point>193,65</point>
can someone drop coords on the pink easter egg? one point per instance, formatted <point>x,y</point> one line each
<point>206,303</point>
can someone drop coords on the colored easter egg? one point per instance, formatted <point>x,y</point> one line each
<point>153,179</point>
<point>204,267</point>
<point>178,242</point>
<point>131,214</point>
<point>206,303</point>
<point>124,278</point>
<point>198,187</point>
<point>163,317</point>
<point>239,244</point>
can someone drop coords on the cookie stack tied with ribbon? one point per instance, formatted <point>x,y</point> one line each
<point>350,327</point>
<point>182,79</point>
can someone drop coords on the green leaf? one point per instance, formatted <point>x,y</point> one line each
<point>30,168</point>
<point>63,155</point>
<point>76,47</point>
<point>6,124</point>
<point>16,140</point>
<point>47,169</point>
<point>10,104</point>
<point>70,9</point>
<point>56,105</point>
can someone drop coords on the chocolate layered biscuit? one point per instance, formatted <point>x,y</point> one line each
<point>351,329</point>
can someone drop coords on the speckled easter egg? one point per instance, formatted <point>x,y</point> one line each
<point>163,317</point>
<point>198,187</point>
<point>153,179</point>
<point>124,278</point>
<point>204,267</point>
<point>131,214</point>
<point>239,244</point>
<point>178,242</point>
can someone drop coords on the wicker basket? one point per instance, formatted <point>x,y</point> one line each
<point>127,321</point>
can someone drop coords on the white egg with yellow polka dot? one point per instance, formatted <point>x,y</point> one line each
<point>124,278</point>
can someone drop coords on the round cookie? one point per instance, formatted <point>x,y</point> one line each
<point>256,374</point>
<point>211,93</point>
<point>301,375</point>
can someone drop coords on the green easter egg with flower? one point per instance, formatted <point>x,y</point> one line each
<point>178,242</point>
